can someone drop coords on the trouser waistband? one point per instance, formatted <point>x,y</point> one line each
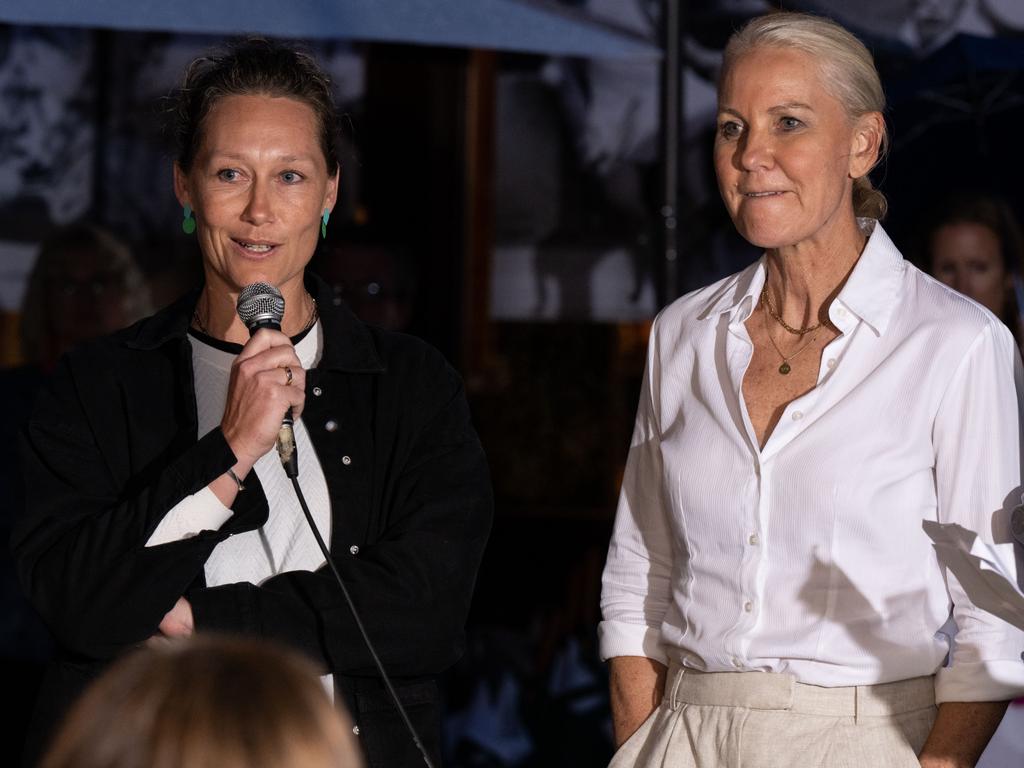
<point>771,690</point>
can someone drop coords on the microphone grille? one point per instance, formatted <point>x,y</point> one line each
<point>260,302</point>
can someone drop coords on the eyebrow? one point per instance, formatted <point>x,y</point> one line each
<point>777,108</point>
<point>279,159</point>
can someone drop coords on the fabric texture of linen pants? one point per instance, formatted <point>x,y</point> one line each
<point>768,720</point>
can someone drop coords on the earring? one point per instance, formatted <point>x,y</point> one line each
<point>323,223</point>
<point>188,224</point>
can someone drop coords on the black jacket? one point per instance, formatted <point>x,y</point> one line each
<point>112,446</point>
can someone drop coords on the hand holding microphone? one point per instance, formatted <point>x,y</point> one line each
<point>267,388</point>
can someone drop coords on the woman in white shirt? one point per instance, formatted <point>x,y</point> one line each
<point>770,597</point>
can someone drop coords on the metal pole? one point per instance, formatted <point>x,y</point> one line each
<point>671,111</point>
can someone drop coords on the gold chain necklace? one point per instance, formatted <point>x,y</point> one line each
<point>197,322</point>
<point>767,300</point>
<point>785,368</point>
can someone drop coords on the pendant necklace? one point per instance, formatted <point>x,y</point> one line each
<point>785,368</point>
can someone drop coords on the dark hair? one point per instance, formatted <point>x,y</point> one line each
<point>994,214</point>
<point>206,702</point>
<point>254,66</point>
<point>987,210</point>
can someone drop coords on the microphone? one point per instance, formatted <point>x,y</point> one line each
<point>261,305</point>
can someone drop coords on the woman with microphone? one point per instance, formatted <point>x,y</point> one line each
<point>157,503</point>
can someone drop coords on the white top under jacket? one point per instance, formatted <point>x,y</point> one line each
<point>284,542</point>
<point>808,556</point>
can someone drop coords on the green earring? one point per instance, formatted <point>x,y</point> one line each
<point>188,224</point>
<point>323,223</point>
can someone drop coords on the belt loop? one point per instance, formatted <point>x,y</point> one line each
<point>674,696</point>
<point>856,704</point>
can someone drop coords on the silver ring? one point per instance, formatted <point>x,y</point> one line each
<point>289,372</point>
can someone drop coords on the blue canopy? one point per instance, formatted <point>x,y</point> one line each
<point>529,26</point>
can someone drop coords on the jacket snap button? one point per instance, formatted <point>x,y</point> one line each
<point>317,391</point>
<point>346,460</point>
<point>331,425</point>
<point>354,549</point>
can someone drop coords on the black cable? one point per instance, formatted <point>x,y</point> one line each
<point>359,623</point>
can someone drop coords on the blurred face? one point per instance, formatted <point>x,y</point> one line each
<point>786,153</point>
<point>966,256</point>
<point>258,186</point>
<point>86,298</point>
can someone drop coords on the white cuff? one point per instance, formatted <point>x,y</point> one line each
<point>1000,680</point>
<point>618,638</point>
<point>202,511</point>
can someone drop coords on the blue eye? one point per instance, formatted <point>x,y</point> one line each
<point>790,123</point>
<point>227,174</point>
<point>730,129</point>
<point>291,177</point>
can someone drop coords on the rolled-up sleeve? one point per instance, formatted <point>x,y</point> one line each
<point>636,585</point>
<point>978,441</point>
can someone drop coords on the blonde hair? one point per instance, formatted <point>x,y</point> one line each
<point>847,66</point>
<point>206,703</point>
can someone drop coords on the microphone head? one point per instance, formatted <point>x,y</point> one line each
<point>260,305</point>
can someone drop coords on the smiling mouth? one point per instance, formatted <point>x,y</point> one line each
<point>762,194</point>
<point>255,248</point>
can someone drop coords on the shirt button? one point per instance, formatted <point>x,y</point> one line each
<point>754,541</point>
<point>748,606</point>
<point>317,391</point>
<point>797,415</point>
<point>841,313</point>
<point>331,425</point>
<point>736,662</point>
<point>346,460</point>
<point>354,549</point>
<point>831,362</point>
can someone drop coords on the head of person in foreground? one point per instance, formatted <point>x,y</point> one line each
<point>206,703</point>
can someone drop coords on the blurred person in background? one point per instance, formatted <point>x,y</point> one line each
<point>206,703</point>
<point>374,278</point>
<point>770,597</point>
<point>973,244</point>
<point>157,503</point>
<point>85,283</point>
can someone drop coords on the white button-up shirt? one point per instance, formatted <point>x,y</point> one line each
<point>808,556</point>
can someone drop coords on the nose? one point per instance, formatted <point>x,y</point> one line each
<point>754,151</point>
<point>258,209</point>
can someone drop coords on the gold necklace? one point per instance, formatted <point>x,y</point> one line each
<point>197,322</point>
<point>785,368</point>
<point>767,300</point>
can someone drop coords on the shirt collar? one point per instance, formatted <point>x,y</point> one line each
<point>870,293</point>
<point>348,345</point>
<point>873,288</point>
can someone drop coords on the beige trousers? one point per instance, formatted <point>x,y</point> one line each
<point>768,720</point>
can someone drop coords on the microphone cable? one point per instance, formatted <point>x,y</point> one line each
<point>359,623</point>
<point>261,305</point>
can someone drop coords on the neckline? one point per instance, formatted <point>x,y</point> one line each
<point>231,347</point>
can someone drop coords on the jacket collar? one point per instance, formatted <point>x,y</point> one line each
<point>348,344</point>
<point>871,292</point>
